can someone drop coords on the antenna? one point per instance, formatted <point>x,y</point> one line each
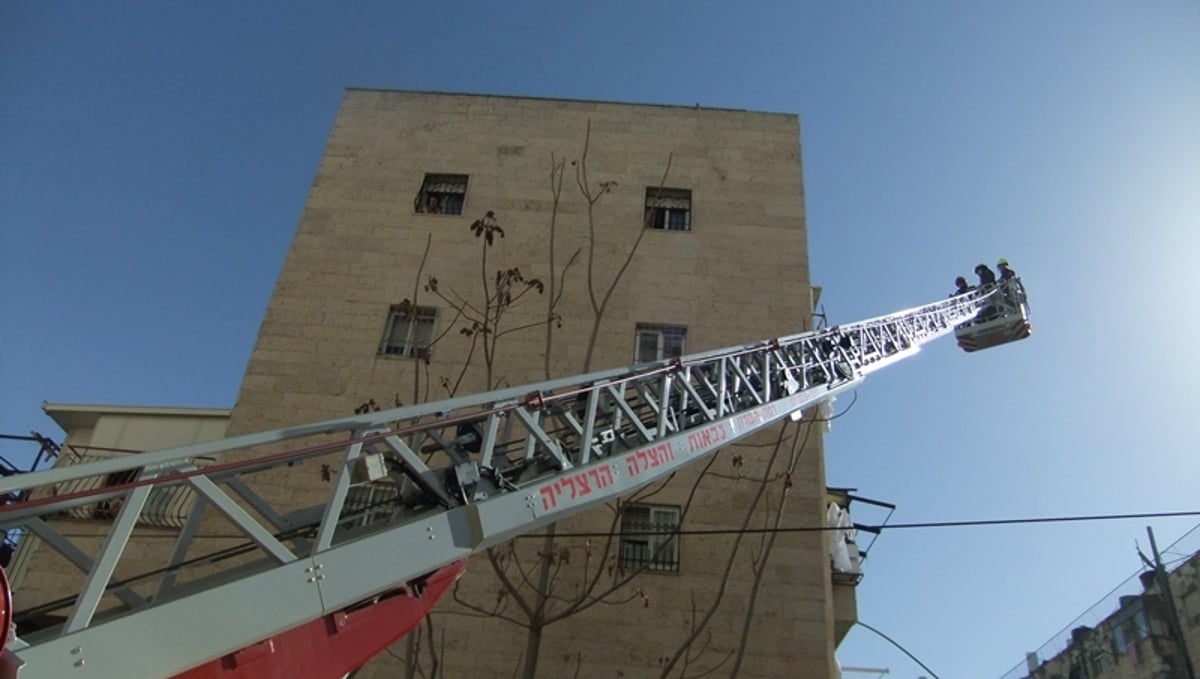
<point>877,671</point>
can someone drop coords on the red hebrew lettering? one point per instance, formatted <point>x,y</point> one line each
<point>707,437</point>
<point>549,496</point>
<point>584,486</point>
<point>606,476</point>
<point>644,459</point>
<point>747,420</point>
<point>566,480</point>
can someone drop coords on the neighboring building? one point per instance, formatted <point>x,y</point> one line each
<point>1139,640</point>
<point>98,432</point>
<point>370,307</point>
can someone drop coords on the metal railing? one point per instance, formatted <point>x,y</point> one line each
<point>417,488</point>
<point>166,507</point>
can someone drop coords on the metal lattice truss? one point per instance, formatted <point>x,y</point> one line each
<point>410,490</point>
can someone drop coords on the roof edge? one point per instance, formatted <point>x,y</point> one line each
<point>114,409</point>
<point>570,99</point>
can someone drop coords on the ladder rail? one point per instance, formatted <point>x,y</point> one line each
<point>501,463</point>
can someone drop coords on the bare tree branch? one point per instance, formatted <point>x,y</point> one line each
<point>416,293</point>
<point>557,168</point>
<point>592,598</point>
<point>485,613</point>
<point>504,580</point>
<point>720,593</point>
<point>598,308</point>
<point>760,567</point>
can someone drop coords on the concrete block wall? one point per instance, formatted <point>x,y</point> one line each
<point>741,274</point>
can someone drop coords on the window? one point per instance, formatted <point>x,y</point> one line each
<point>409,332</point>
<point>107,509</point>
<point>1129,627</point>
<point>669,209</point>
<point>370,502</point>
<point>1191,606</point>
<point>654,342</point>
<point>442,194</point>
<point>648,538</point>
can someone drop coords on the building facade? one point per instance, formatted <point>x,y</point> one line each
<point>1145,638</point>
<point>714,202</point>
<point>455,243</point>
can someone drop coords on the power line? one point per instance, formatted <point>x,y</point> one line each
<point>881,528</point>
<point>893,642</point>
<point>1106,598</point>
<point>818,529</point>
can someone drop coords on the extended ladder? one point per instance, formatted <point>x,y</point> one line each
<point>447,479</point>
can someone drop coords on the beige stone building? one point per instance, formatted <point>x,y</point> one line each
<point>102,432</point>
<point>632,233</point>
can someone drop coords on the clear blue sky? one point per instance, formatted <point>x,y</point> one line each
<point>154,159</point>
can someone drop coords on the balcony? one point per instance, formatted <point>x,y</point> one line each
<point>845,557</point>
<point>166,508</point>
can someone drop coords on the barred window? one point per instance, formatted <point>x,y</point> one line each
<point>409,332</point>
<point>370,502</point>
<point>669,209</point>
<point>656,341</point>
<point>648,538</point>
<point>442,194</point>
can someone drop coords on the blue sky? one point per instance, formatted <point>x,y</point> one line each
<point>154,159</point>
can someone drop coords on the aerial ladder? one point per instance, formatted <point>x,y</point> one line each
<point>317,592</point>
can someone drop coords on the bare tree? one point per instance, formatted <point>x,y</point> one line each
<point>593,194</point>
<point>563,578</point>
<point>767,543</point>
<point>535,592</point>
<point>553,319</point>
<point>482,321</point>
<point>500,293</point>
<point>770,483</point>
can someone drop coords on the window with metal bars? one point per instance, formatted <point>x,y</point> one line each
<point>668,209</point>
<point>409,332</point>
<point>657,341</point>
<point>648,538</point>
<point>442,194</point>
<point>370,502</point>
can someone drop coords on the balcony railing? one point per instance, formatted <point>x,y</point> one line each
<point>167,507</point>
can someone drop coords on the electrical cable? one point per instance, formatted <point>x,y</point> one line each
<point>881,528</point>
<point>1071,625</point>
<point>897,645</point>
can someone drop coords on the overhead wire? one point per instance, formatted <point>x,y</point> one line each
<point>893,642</point>
<point>897,526</point>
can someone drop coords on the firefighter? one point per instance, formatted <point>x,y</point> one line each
<point>1005,272</point>
<point>986,276</point>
